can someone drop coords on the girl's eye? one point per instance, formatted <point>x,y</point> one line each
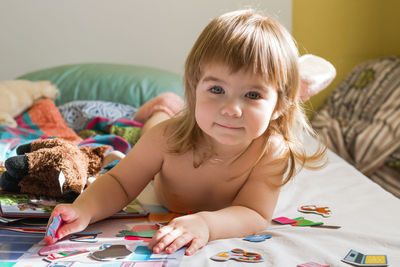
<point>217,90</point>
<point>253,95</point>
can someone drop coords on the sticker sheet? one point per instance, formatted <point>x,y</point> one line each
<point>108,249</point>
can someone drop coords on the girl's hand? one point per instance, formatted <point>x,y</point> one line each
<point>189,230</point>
<point>73,219</point>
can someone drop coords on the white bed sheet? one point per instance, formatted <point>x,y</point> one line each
<point>368,215</point>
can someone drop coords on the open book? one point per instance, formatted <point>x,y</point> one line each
<point>24,205</point>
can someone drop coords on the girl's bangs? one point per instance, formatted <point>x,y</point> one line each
<point>238,52</point>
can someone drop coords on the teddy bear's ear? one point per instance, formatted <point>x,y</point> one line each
<point>100,150</point>
<point>96,157</point>
<point>25,148</point>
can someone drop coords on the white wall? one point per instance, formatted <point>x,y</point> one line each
<point>37,34</point>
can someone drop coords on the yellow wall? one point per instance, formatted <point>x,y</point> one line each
<point>346,33</point>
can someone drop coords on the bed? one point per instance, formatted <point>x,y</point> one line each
<point>368,215</point>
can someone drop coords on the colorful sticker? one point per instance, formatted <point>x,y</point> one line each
<point>143,253</point>
<point>323,211</point>
<point>149,233</point>
<point>257,238</point>
<point>359,259</point>
<point>283,220</point>
<point>110,252</point>
<point>238,254</point>
<point>88,237</point>
<point>144,239</point>
<point>300,221</point>
<point>52,228</point>
<point>62,255</point>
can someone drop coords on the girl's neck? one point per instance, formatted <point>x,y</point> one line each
<point>216,153</point>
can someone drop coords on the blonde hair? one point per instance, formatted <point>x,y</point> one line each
<point>246,40</point>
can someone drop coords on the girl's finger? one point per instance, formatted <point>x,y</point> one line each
<point>159,235</point>
<point>73,227</point>
<point>179,242</point>
<point>194,246</point>
<point>57,210</point>
<point>166,240</point>
<point>66,211</point>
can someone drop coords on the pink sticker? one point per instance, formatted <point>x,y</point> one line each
<point>145,239</point>
<point>284,220</point>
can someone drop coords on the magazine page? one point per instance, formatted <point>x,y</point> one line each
<point>24,205</point>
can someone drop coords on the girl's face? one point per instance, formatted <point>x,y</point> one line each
<point>233,108</point>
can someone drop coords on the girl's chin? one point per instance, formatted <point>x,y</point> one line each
<point>229,141</point>
<point>223,138</point>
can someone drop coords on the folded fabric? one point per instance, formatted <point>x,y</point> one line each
<point>45,119</point>
<point>41,121</point>
<point>78,113</point>
<point>121,134</point>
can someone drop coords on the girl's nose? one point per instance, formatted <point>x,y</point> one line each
<point>231,108</point>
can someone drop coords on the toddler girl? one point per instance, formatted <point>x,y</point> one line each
<point>224,158</point>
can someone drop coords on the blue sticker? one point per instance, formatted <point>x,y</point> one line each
<point>257,238</point>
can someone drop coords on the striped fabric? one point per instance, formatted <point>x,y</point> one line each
<point>361,121</point>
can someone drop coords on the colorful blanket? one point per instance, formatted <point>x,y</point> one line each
<point>43,120</point>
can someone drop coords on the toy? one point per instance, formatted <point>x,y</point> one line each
<point>238,254</point>
<point>88,237</point>
<point>323,211</point>
<point>284,220</point>
<point>257,238</point>
<point>51,230</point>
<point>52,167</point>
<point>64,255</point>
<point>356,258</point>
<point>300,221</point>
<point>147,233</point>
<point>110,252</point>
<point>18,95</point>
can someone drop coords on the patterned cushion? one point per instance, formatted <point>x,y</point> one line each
<point>361,120</point>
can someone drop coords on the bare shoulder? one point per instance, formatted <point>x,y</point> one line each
<point>261,190</point>
<point>277,148</point>
<point>157,133</point>
<point>273,164</point>
<point>151,145</point>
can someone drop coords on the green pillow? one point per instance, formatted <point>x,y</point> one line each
<point>126,84</point>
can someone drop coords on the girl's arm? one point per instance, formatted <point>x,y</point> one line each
<point>250,212</point>
<point>253,207</point>
<point>115,189</point>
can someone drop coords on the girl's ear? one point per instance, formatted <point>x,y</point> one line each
<point>316,74</point>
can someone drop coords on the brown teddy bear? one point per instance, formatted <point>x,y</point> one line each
<point>36,170</point>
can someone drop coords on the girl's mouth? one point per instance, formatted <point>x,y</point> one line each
<point>228,126</point>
